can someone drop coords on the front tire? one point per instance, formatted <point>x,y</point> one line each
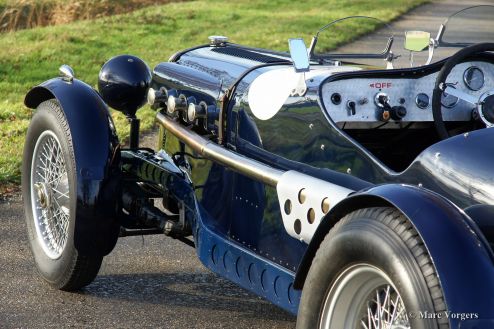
<point>49,194</point>
<point>372,271</point>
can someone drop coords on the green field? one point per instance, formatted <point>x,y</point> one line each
<point>28,57</point>
<point>22,14</point>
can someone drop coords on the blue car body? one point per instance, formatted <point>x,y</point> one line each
<point>237,220</point>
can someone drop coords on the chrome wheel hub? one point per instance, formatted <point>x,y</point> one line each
<point>43,193</point>
<point>364,297</point>
<point>50,195</point>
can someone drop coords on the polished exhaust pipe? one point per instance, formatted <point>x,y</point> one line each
<point>212,151</point>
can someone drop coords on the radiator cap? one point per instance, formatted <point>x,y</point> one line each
<point>217,40</point>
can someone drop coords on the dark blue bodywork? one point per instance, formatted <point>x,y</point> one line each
<point>243,236</point>
<point>236,221</point>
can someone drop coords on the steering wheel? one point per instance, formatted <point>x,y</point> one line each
<point>484,103</point>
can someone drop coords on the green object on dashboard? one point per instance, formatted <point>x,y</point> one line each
<point>417,40</point>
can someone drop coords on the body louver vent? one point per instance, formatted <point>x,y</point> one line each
<point>247,54</point>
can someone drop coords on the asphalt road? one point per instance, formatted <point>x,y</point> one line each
<point>150,282</point>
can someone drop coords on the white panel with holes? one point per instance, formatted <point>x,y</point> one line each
<point>304,200</point>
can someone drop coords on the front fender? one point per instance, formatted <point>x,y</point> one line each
<point>96,154</point>
<point>460,253</point>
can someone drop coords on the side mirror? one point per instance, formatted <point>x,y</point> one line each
<point>417,40</point>
<point>300,57</point>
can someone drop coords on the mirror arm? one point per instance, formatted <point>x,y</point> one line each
<point>389,54</point>
<point>440,34</point>
<point>301,86</point>
<point>432,46</point>
<point>312,46</point>
<point>387,50</point>
<point>389,60</point>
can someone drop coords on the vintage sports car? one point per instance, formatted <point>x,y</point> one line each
<point>351,195</point>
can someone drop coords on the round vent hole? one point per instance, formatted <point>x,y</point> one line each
<point>302,195</point>
<point>325,204</point>
<point>311,215</point>
<point>288,207</point>
<point>297,226</point>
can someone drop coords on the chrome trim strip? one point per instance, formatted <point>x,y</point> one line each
<point>212,151</point>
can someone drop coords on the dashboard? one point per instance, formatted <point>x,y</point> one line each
<point>407,99</point>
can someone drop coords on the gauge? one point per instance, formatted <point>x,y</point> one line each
<point>447,100</point>
<point>336,99</point>
<point>474,78</point>
<point>422,100</point>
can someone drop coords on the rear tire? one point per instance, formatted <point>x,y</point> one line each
<point>50,195</point>
<point>370,257</point>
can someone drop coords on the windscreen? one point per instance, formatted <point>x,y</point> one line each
<point>469,26</point>
<point>337,39</point>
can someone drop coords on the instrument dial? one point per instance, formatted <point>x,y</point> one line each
<point>474,78</point>
<point>449,101</point>
<point>422,100</point>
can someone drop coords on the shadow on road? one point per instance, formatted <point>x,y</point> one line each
<point>204,291</point>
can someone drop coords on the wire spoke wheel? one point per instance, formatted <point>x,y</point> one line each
<point>364,297</point>
<point>370,271</point>
<point>50,194</point>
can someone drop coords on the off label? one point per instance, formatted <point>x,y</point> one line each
<point>381,85</point>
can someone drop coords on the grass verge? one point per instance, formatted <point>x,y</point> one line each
<point>22,14</point>
<point>29,57</point>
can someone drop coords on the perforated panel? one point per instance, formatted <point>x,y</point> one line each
<point>304,200</point>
